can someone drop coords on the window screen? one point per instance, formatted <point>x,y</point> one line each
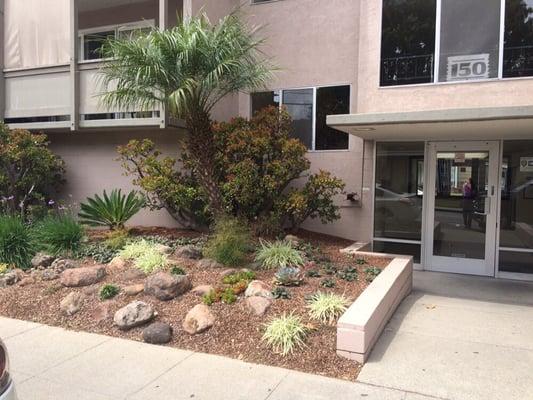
<point>469,40</point>
<point>299,104</point>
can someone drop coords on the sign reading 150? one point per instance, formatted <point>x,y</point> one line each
<point>472,66</point>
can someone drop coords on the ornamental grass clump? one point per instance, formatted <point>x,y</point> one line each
<point>59,234</point>
<point>136,249</point>
<point>17,244</point>
<point>327,307</point>
<point>109,291</point>
<point>230,242</point>
<point>285,333</point>
<point>277,255</point>
<point>151,260</point>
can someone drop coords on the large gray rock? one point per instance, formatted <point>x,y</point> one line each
<point>71,304</point>
<point>82,276</point>
<point>10,278</point>
<point>258,305</point>
<point>165,286</point>
<point>49,275</point>
<point>134,290</point>
<point>157,333</point>
<point>163,248</point>
<point>62,264</point>
<point>198,320</point>
<point>134,314</point>
<point>42,260</point>
<point>189,252</point>
<point>207,263</point>
<point>132,274</point>
<point>258,288</point>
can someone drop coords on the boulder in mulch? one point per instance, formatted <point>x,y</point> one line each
<point>207,263</point>
<point>294,240</point>
<point>117,263</point>
<point>189,252</point>
<point>42,260</point>
<point>82,276</point>
<point>202,290</point>
<point>134,314</point>
<point>163,248</point>
<point>62,264</point>
<point>157,333</point>
<point>198,319</point>
<point>134,290</point>
<point>71,303</point>
<point>258,288</point>
<point>10,278</point>
<point>49,275</point>
<point>103,312</point>
<point>165,286</point>
<point>27,281</point>
<point>132,274</point>
<point>258,305</point>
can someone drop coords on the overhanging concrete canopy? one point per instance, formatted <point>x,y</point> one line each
<point>446,124</point>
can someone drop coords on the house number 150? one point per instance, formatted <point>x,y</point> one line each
<point>474,66</point>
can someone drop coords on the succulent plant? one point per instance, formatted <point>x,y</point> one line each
<point>289,276</point>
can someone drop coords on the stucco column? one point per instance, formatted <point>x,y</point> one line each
<point>163,24</point>
<point>74,72</point>
<point>2,81</point>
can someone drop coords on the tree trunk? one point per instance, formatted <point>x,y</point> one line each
<point>200,147</point>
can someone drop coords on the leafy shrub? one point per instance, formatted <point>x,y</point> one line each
<point>330,269</point>
<point>372,273</point>
<point>136,249</point>
<point>150,261</point>
<point>17,245</point>
<point>97,251</point>
<point>348,274</point>
<point>327,283</point>
<point>112,211</point>
<point>230,242</point>
<point>279,254</point>
<point>285,333</point>
<point>360,261</point>
<point>246,276</point>
<point>256,162</point>
<point>281,293</point>
<point>59,234</point>
<point>108,291</point>
<point>327,307</point>
<point>211,298</point>
<point>29,171</point>
<point>288,276</point>
<point>228,296</point>
<point>313,273</point>
<point>116,240</point>
<point>175,270</point>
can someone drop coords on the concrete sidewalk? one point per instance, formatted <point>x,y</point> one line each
<point>458,337</point>
<point>54,364</point>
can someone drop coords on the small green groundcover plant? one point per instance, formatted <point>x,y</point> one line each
<point>108,291</point>
<point>136,249</point>
<point>372,273</point>
<point>59,234</point>
<point>17,244</point>
<point>327,283</point>
<point>279,254</point>
<point>230,242</point>
<point>281,293</point>
<point>288,276</point>
<point>327,307</point>
<point>112,210</point>
<point>145,255</point>
<point>97,251</point>
<point>285,333</point>
<point>237,277</point>
<point>175,270</point>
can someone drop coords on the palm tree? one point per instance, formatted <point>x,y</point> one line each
<point>188,69</point>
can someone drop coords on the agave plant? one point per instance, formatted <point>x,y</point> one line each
<point>289,276</point>
<point>112,210</point>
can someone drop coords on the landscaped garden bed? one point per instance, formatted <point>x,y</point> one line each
<point>40,294</point>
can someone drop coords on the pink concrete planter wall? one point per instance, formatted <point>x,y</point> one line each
<point>360,326</point>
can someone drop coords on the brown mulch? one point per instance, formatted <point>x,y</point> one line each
<point>236,333</point>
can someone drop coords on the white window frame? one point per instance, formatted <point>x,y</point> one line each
<point>436,56</point>
<point>313,149</point>
<point>117,28</point>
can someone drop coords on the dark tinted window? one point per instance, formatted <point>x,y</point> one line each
<point>518,38</point>
<point>407,42</point>
<point>262,100</point>
<point>331,101</point>
<point>299,104</point>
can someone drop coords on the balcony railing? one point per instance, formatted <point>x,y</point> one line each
<point>407,70</point>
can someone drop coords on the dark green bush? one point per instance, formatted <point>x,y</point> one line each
<point>281,293</point>
<point>175,270</point>
<point>59,234</point>
<point>108,291</point>
<point>112,210</point>
<point>229,243</point>
<point>327,283</point>
<point>17,244</point>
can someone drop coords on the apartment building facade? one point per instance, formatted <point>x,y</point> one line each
<point>423,107</point>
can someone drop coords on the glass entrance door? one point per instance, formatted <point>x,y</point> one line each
<point>462,207</point>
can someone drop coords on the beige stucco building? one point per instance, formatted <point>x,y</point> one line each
<point>424,109</point>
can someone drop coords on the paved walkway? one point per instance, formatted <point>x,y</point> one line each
<point>53,364</point>
<point>458,337</point>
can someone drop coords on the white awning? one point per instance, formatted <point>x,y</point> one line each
<point>447,124</point>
